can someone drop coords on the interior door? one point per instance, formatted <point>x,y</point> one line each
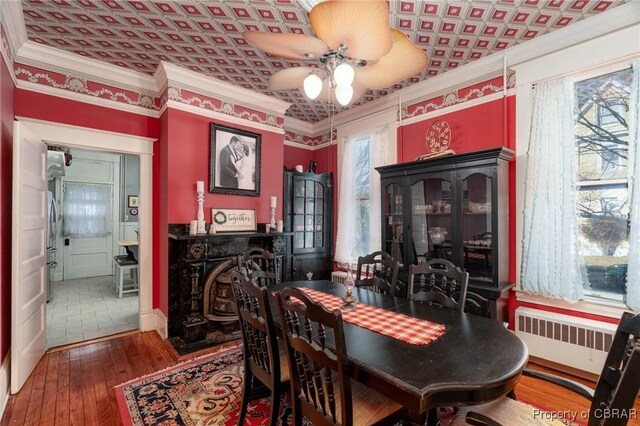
<point>28,319</point>
<point>91,256</point>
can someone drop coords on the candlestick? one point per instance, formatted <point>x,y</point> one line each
<point>274,202</point>
<point>272,224</point>
<point>200,189</point>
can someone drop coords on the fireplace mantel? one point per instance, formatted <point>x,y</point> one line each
<point>191,260</point>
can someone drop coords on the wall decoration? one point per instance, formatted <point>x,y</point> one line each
<point>234,161</point>
<point>133,212</point>
<point>132,201</point>
<point>233,220</point>
<point>437,139</point>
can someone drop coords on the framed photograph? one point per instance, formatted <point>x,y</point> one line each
<point>233,220</point>
<point>234,166</point>
<point>132,202</point>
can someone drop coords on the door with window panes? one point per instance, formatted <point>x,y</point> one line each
<point>307,208</point>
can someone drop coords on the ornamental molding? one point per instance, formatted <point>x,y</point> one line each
<point>459,96</point>
<point>79,85</point>
<point>187,97</point>
<point>296,139</point>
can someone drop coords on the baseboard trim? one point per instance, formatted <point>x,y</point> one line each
<point>161,323</point>
<point>4,382</point>
<point>564,369</point>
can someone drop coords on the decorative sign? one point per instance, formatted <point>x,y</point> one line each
<point>438,139</point>
<point>233,220</point>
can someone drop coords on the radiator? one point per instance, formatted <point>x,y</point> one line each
<point>577,342</point>
<point>338,277</point>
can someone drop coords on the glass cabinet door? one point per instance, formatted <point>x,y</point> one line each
<point>393,222</point>
<point>431,219</point>
<point>476,226</point>
<point>308,214</point>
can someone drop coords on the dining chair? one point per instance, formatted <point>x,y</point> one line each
<point>263,362</point>
<point>322,390</point>
<point>258,259</point>
<point>438,282</point>
<point>612,400</point>
<point>377,272</point>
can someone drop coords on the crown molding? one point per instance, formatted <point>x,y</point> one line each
<point>222,90</point>
<point>299,145</point>
<point>219,116</point>
<point>13,20</point>
<point>295,125</point>
<point>53,59</point>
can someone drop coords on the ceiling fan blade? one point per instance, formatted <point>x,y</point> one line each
<point>362,26</point>
<point>403,60</point>
<point>291,78</point>
<point>290,46</point>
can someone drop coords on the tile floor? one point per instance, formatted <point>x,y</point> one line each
<point>88,308</point>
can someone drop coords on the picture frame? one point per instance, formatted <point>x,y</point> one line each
<point>234,161</point>
<point>132,202</point>
<point>233,220</point>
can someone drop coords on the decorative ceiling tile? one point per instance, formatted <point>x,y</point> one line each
<point>205,35</point>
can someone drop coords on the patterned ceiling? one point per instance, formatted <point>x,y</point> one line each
<point>206,35</point>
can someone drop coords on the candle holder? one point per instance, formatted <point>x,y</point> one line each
<point>272,223</point>
<point>201,229</point>
<point>349,286</point>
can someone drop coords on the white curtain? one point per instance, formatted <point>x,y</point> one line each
<point>87,210</point>
<point>379,155</point>
<point>550,264</point>
<point>633,272</point>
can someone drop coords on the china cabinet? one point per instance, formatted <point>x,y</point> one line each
<point>308,205</point>
<point>454,207</point>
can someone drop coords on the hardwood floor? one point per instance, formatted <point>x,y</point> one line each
<point>75,386</point>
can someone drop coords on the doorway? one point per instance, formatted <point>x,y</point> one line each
<point>89,193</point>
<point>28,328</point>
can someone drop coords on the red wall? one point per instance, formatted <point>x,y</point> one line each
<point>160,221</point>
<point>294,156</point>
<point>478,127</point>
<point>7,93</point>
<point>188,162</point>
<point>58,110</point>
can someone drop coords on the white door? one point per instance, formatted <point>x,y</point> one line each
<point>28,319</point>
<point>91,256</point>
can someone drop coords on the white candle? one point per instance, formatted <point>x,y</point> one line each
<point>273,201</point>
<point>200,186</point>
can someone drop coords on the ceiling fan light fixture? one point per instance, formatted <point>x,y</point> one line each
<point>343,74</point>
<point>344,94</point>
<point>312,85</point>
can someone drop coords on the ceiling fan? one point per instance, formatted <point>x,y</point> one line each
<point>355,46</point>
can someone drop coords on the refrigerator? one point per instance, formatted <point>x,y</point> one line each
<point>52,235</point>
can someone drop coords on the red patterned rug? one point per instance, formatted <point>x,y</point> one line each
<point>203,391</point>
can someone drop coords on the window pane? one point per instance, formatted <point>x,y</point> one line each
<point>602,128</point>
<point>604,238</point>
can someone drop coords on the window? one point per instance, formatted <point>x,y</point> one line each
<point>87,210</point>
<point>362,193</point>
<point>602,140</point>
<point>359,207</point>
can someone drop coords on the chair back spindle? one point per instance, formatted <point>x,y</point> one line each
<point>438,282</point>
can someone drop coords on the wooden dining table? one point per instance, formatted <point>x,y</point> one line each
<point>476,359</point>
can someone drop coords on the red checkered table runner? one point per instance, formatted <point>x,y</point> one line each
<point>398,326</point>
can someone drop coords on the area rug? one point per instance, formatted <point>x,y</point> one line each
<point>205,391</point>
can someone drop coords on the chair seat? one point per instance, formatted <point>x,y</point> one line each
<point>370,407</point>
<point>507,412</point>
<point>124,261</point>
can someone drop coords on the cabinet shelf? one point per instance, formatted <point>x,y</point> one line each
<point>454,180</point>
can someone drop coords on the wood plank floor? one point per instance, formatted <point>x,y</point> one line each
<point>75,386</point>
